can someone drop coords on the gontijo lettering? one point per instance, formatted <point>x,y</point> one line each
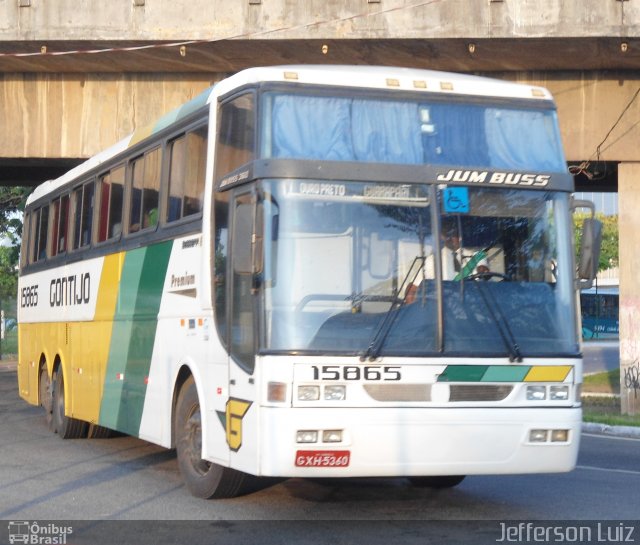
<point>70,290</point>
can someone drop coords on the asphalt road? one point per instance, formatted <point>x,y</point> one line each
<point>600,356</point>
<point>92,482</point>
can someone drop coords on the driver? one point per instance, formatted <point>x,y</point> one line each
<point>457,262</point>
<point>455,257</point>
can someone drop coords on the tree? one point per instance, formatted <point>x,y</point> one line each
<point>8,272</point>
<point>609,247</point>
<point>12,201</point>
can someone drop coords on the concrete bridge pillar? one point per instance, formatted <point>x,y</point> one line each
<point>629,226</point>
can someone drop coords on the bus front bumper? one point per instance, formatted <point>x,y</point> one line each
<point>417,442</point>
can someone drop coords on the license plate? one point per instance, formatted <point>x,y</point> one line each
<point>322,458</point>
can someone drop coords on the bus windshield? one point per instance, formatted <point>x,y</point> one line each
<point>341,258</point>
<point>410,132</point>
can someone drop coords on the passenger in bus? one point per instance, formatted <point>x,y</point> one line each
<point>150,218</point>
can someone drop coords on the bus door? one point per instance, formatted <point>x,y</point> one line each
<point>245,252</point>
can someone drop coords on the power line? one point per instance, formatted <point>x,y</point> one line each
<point>582,167</point>
<point>44,52</point>
<point>626,108</point>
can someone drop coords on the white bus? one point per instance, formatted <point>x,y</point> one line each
<point>260,280</point>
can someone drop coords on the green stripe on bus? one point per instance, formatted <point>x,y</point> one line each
<point>112,397</point>
<point>143,334</point>
<point>134,329</point>
<point>506,373</point>
<point>463,373</point>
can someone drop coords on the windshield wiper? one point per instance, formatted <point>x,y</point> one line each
<point>381,332</point>
<point>508,338</point>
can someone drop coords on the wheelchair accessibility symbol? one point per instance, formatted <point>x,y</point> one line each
<point>456,200</point>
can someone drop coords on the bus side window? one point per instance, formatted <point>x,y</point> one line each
<point>40,247</point>
<point>104,191</point>
<point>55,228</point>
<point>176,178</point>
<point>116,202</point>
<point>63,225</point>
<point>137,173</point>
<point>26,232</point>
<point>152,171</point>
<point>236,134</point>
<point>77,217</point>
<point>242,327</point>
<point>188,156</point>
<point>145,188</point>
<point>33,243</point>
<point>87,213</point>
<point>195,173</point>
<point>221,245</point>
<point>110,191</point>
<point>83,214</point>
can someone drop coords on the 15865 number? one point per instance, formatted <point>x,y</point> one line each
<point>355,372</point>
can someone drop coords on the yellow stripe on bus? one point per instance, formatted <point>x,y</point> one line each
<point>92,341</point>
<point>548,373</point>
<point>109,286</point>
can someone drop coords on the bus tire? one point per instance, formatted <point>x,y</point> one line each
<point>437,481</point>
<point>46,396</point>
<point>203,479</point>
<point>65,426</point>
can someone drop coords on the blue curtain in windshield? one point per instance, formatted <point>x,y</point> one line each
<point>522,138</point>
<point>455,135</point>
<point>337,129</point>
<point>312,128</point>
<point>386,132</point>
<point>395,132</point>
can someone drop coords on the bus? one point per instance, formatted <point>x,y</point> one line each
<point>257,280</point>
<point>600,309</point>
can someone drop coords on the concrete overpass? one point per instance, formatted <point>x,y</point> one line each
<point>77,75</point>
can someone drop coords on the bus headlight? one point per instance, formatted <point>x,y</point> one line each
<point>308,393</point>
<point>332,436</point>
<point>538,436</point>
<point>559,393</point>
<point>559,436</point>
<point>536,393</point>
<point>307,436</point>
<point>335,393</point>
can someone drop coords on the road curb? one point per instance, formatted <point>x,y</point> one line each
<point>605,429</point>
<point>8,365</point>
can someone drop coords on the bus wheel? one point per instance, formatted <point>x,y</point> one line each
<point>203,479</point>
<point>46,398</point>
<point>438,481</point>
<point>64,426</point>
